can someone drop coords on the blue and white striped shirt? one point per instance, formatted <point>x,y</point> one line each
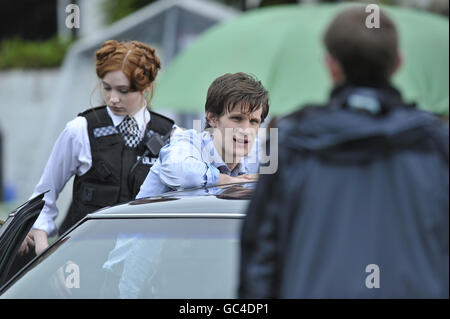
<point>191,160</point>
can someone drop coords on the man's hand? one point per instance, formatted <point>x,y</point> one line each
<point>227,179</point>
<point>27,244</point>
<point>250,177</point>
<point>40,240</point>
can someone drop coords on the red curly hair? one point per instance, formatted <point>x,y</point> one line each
<point>137,60</point>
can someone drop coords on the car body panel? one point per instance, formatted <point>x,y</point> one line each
<point>188,205</point>
<point>227,202</point>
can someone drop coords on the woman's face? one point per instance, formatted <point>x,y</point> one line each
<point>118,95</point>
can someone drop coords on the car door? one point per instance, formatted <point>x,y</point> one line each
<point>13,233</point>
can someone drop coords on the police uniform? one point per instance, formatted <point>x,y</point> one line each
<point>107,172</point>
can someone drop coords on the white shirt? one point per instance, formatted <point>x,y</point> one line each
<point>71,155</point>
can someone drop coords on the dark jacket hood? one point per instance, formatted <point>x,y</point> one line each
<point>346,131</point>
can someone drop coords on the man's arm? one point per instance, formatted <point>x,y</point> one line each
<point>183,164</point>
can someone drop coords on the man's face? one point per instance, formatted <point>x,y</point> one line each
<point>235,132</point>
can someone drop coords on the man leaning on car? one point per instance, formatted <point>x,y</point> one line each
<point>236,105</point>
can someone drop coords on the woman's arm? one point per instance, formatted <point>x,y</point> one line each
<point>70,155</point>
<point>40,240</point>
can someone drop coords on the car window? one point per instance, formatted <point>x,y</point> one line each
<point>12,234</point>
<point>137,258</point>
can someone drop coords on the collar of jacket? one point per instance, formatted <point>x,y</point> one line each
<point>384,96</point>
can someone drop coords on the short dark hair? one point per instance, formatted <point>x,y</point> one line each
<point>366,55</point>
<point>232,89</point>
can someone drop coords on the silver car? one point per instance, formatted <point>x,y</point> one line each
<point>179,245</point>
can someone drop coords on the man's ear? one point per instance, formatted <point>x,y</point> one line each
<point>398,63</point>
<point>335,69</point>
<point>212,119</point>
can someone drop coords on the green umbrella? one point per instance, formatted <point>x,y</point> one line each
<point>282,46</point>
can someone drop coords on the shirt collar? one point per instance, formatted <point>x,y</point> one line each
<point>142,117</point>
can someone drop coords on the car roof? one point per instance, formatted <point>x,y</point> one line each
<point>229,200</point>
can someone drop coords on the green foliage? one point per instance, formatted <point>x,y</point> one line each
<point>19,54</point>
<point>118,9</point>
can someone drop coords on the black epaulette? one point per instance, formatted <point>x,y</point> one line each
<point>160,123</point>
<point>91,110</point>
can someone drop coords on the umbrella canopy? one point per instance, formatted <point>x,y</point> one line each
<point>282,46</point>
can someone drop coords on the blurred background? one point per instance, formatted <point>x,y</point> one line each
<point>47,73</point>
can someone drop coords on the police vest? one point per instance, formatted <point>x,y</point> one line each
<point>109,182</point>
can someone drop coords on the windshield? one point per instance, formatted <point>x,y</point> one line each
<point>138,258</point>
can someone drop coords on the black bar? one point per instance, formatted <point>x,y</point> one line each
<point>1,166</point>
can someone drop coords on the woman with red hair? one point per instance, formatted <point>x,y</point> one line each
<point>105,147</point>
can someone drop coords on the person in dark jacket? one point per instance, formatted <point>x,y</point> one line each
<point>105,147</point>
<point>359,207</point>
